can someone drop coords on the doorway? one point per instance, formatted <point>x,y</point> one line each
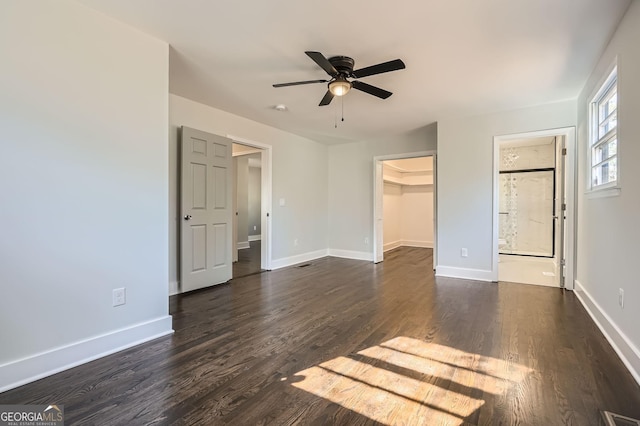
<point>208,240</point>
<point>252,237</point>
<point>247,226</point>
<point>533,208</point>
<point>404,203</point>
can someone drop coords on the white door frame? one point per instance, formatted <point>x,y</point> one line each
<point>265,198</point>
<point>570,193</point>
<point>234,202</point>
<point>378,193</point>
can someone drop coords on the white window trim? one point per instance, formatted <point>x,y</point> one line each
<point>609,189</point>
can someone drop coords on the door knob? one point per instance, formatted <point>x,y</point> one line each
<point>187,217</point>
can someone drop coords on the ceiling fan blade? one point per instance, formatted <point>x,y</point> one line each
<point>394,65</point>
<point>297,83</point>
<point>323,62</point>
<point>328,97</point>
<point>372,90</point>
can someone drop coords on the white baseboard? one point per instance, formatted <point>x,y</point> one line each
<point>243,245</point>
<point>25,370</point>
<point>299,258</point>
<point>351,254</point>
<point>392,245</point>
<point>255,237</point>
<point>306,257</point>
<point>464,273</point>
<point>413,243</point>
<point>621,344</point>
<point>407,243</point>
<point>174,287</point>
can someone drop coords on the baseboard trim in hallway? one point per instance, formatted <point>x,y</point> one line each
<point>621,344</point>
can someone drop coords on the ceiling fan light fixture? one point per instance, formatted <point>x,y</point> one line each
<point>340,86</point>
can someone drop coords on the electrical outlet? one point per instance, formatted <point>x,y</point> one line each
<point>366,240</point>
<point>464,252</point>
<point>295,242</point>
<point>119,296</point>
<point>621,298</point>
<point>255,227</point>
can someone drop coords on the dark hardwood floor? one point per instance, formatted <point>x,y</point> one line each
<point>248,261</point>
<point>349,342</point>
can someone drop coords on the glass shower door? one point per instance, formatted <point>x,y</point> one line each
<point>526,224</point>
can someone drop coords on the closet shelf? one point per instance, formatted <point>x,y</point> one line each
<point>401,183</point>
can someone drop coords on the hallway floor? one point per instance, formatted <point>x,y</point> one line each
<point>527,270</point>
<point>248,261</point>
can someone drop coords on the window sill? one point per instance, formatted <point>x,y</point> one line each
<point>603,193</point>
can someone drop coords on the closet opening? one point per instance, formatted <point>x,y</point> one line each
<point>405,203</point>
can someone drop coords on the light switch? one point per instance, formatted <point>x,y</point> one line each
<point>282,202</point>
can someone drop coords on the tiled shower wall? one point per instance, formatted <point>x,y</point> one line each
<point>526,200</point>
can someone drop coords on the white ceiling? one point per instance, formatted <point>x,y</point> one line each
<point>463,57</point>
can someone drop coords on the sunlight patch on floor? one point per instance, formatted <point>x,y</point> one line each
<point>495,367</point>
<point>432,367</point>
<point>407,381</point>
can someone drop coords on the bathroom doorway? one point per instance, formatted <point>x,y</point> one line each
<point>532,209</point>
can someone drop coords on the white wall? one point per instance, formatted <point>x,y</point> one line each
<point>255,186</point>
<point>608,231</point>
<point>465,181</point>
<point>351,187</point>
<point>83,178</point>
<point>407,215</point>
<point>299,177</point>
<point>242,200</point>
<point>417,216</point>
<point>392,215</point>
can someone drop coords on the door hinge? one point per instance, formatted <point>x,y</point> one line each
<point>564,151</point>
<point>564,206</point>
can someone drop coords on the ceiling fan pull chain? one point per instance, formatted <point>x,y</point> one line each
<point>342,108</point>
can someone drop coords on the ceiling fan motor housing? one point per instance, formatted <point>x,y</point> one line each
<point>342,64</point>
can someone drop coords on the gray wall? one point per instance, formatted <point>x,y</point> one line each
<point>465,181</point>
<point>242,197</point>
<point>84,184</point>
<point>299,173</point>
<point>351,185</point>
<point>255,186</point>
<point>608,231</point>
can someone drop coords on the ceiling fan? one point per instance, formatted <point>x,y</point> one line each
<point>340,69</point>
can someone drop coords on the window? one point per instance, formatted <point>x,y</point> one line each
<point>604,134</point>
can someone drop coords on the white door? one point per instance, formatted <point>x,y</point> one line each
<point>206,210</point>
